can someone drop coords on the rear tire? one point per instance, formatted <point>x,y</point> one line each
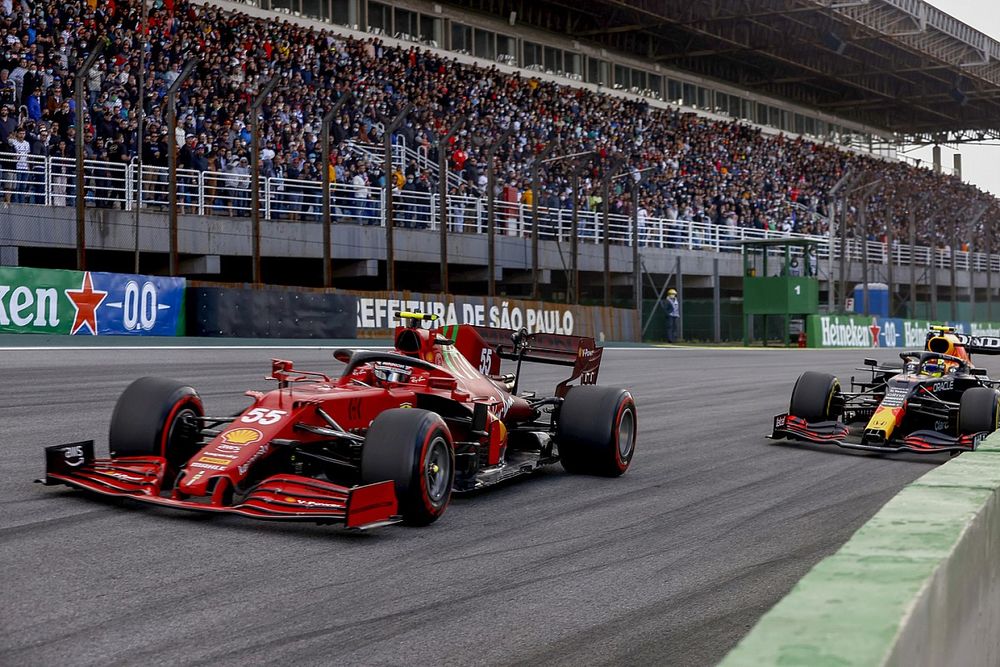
<point>149,420</point>
<point>978,410</point>
<point>596,430</point>
<point>812,397</point>
<point>413,448</point>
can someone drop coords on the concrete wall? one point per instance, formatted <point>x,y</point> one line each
<point>919,584</point>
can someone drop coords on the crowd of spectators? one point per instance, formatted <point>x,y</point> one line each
<point>687,167</point>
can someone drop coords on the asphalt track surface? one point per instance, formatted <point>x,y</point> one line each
<point>670,564</point>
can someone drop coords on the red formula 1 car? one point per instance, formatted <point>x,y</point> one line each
<point>387,441</point>
<point>935,401</point>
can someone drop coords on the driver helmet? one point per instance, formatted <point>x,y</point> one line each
<point>387,372</point>
<point>935,368</point>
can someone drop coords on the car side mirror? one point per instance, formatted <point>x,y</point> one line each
<point>871,362</point>
<point>982,372</point>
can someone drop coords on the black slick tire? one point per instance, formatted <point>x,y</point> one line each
<point>149,420</point>
<point>412,448</point>
<point>812,396</point>
<point>979,410</point>
<point>596,430</point>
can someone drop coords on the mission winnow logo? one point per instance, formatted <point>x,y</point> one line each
<point>89,303</point>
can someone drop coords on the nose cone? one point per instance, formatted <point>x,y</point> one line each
<point>228,455</point>
<point>884,422</point>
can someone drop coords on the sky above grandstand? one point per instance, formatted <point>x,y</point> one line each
<point>979,163</point>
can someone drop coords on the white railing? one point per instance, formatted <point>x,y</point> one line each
<point>375,153</point>
<point>52,182</point>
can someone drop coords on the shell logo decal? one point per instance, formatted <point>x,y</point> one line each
<point>242,436</point>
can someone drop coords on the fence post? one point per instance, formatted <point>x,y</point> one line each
<point>127,201</point>
<point>390,224</point>
<point>615,165</point>
<point>201,193</point>
<point>443,145</point>
<point>491,213</point>
<point>267,198</point>
<point>434,205</point>
<point>258,101</point>
<point>81,176</point>
<point>48,181</point>
<point>325,166</point>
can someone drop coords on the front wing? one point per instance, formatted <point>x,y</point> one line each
<point>837,433</point>
<point>279,497</point>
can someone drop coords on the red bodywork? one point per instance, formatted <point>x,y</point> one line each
<point>249,458</point>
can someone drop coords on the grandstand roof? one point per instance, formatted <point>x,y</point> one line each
<point>897,65</point>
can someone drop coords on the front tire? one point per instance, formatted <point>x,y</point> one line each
<point>813,397</point>
<point>153,418</point>
<point>413,448</point>
<point>596,430</point>
<point>979,410</point>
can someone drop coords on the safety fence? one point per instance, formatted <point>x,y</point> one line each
<point>51,181</point>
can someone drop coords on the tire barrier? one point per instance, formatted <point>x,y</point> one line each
<point>916,585</point>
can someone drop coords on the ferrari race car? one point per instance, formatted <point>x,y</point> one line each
<point>936,401</point>
<point>387,441</point>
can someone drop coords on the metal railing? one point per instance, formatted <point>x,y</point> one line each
<point>52,182</point>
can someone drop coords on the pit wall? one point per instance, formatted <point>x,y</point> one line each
<point>919,584</point>
<point>873,331</point>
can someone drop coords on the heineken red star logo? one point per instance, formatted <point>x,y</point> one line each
<point>874,328</point>
<point>85,300</point>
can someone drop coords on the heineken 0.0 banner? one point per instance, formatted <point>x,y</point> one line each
<point>89,303</point>
<point>860,331</point>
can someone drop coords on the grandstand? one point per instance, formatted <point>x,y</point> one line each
<point>676,129</point>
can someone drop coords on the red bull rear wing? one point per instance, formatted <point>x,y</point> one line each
<point>979,344</point>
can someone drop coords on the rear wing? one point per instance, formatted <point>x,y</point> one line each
<point>979,344</point>
<point>580,352</point>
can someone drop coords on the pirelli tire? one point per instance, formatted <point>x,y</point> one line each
<point>414,449</point>
<point>155,417</point>
<point>978,410</point>
<point>813,397</point>
<point>596,430</point>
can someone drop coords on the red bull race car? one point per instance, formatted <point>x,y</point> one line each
<point>387,441</point>
<point>935,401</point>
